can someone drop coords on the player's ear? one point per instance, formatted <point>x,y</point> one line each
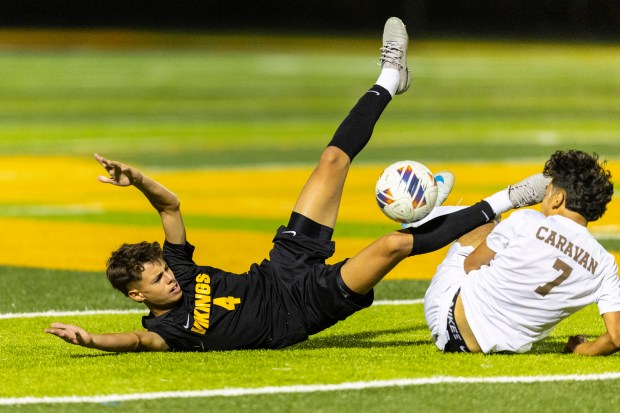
<point>558,197</point>
<point>135,295</point>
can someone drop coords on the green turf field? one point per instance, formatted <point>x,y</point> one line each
<point>221,107</point>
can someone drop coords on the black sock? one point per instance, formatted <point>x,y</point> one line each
<point>440,231</point>
<point>356,129</point>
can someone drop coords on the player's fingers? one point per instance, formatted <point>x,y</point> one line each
<point>109,165</point>
<point>103,161</point>
<point>60,333</point>
<point>106,180</point>
<point>113,168</point>
<point>60,329</point>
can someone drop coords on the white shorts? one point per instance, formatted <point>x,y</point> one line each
<point>446,282</point>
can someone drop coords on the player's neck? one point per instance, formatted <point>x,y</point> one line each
<point>573,216</point>
<point>159,310</point>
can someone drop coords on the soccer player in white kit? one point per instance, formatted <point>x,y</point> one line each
<point>505,286</point>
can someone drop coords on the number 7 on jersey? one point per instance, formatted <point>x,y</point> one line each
<point>565,271</point>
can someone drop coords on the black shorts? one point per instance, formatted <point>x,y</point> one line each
<point>298,261</point>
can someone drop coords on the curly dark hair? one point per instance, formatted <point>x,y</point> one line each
<point>587,183</point>
<point>127,263</point>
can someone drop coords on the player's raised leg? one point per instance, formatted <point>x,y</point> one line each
<point>319,200</point>
<point>362,272</point>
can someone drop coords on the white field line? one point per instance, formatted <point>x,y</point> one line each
<point>399,302</point>
<point>308,388</point>
<point>143,311</point>
<point>70,313</point>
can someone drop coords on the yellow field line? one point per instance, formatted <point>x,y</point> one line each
<point>42,185</point>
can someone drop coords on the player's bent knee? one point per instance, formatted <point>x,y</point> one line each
<point>334,157</point>
<point>397,244</point>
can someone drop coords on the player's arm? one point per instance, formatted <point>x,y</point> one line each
<point>162,199</point>
<point>116,342</point>
<point>482,255</point>
<point>604,345</point>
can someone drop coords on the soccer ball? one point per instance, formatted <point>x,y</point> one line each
<point>406,191</point>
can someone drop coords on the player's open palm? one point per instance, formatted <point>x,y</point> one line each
<point>71,334</point>
<point>120,174</point>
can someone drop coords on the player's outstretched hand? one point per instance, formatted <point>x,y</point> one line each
<point>71,334</point>
<point>574,341</point>
<point>120,174</point>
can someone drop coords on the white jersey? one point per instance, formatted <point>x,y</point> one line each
<point>545,269</point>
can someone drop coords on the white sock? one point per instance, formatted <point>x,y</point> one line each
<point>500,202</point>
<point>389,80</point>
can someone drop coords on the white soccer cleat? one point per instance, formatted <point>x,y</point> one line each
<point>445,182</point>
<point>529,191</point>
<point>394,51</point>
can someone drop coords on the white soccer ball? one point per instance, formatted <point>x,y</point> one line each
<point>406,191</point>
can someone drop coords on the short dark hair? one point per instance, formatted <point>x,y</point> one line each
<point>587,183</point>
<point>127,263</point>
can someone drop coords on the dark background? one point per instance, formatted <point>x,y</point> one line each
<point>570,19</point>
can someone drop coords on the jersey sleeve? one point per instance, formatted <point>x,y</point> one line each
<point>609,297</point>
<point>179,257</point>
<point>499,238</point>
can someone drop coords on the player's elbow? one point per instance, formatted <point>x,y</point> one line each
<point>615,340</point>
<point>170,204</point>
<point>149,341</point>
<point>173,202</point>
<point>612,322</point>
<point>470,265</point>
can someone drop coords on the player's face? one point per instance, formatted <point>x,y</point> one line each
<point>158,288</point>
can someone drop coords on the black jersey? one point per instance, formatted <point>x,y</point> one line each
<point>220,310</point>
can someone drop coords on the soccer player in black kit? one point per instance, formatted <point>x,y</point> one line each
<point>293,294</point>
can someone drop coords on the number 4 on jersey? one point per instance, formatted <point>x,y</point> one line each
<point>565,270</point>
<point>227,302</point>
